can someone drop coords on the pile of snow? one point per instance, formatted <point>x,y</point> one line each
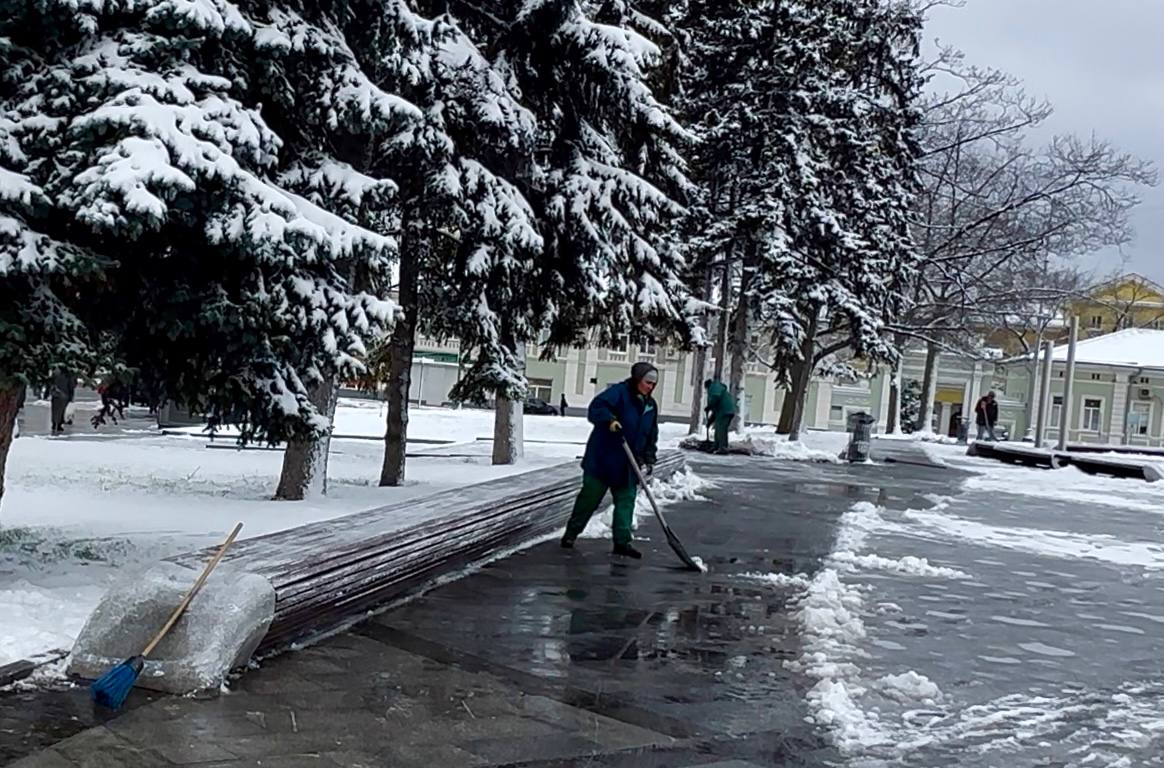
<point>781,580</point>
<point>910,687</point>
<point>779,447</point>
<point>813,446</point>
<point>908,565</point>
<point>920,437</point>
<point>830,614</point>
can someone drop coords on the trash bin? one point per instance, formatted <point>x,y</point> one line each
<point>860,432</point>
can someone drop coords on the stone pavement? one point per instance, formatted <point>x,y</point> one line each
<point>547,658</point>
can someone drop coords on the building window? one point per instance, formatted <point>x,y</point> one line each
<point>647,349</point>
<point>1097,377</point>
<point>542,389</point>
<point>1092,414</point>
<point>1145,380</point>
<point>1096,321</point>
<point>836,413</point>
<point>1056,411</point>
<point>1139,418</point>
<point>618,347</point>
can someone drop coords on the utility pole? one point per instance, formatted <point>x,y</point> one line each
<point>1045,392</point>
<point>1068,379</point>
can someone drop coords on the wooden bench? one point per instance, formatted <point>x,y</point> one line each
<point>329,573</point>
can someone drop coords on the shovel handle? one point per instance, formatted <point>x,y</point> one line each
<point>630,456</point>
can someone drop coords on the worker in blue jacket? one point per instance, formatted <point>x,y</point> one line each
<point>625,411</point>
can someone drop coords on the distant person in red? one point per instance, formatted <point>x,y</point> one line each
<point>986,416</point>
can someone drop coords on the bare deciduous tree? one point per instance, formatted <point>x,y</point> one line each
<point>992,200</point>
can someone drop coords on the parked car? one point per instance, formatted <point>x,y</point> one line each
<point>539,407</point>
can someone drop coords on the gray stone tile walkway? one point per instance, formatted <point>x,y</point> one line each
<point>548,658</point>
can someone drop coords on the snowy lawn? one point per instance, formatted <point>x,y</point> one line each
<point>78,509</point>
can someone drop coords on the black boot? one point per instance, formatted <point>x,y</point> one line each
<point>626,550</point>
<point>566,542</point>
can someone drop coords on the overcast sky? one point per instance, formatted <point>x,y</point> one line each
<point>1099,63</point>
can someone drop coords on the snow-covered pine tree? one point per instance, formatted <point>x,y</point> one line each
<point>225,290</point>
<point>843,77</point>
<point>40,276</point>
<point>721,96</point>
<point>610,173</point>
<point>468,236</point>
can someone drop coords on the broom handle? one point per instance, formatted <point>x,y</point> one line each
<point>177,614</point>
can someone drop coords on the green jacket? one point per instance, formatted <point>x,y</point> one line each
<point>720,402</point>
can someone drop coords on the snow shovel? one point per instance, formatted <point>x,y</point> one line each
<point>672,539</point>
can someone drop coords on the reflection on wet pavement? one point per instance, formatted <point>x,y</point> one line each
<point>552,658</point>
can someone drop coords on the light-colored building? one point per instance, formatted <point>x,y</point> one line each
<point>1117,393</point>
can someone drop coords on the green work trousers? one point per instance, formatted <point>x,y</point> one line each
<point>723,425</point>
<point>591,495</point>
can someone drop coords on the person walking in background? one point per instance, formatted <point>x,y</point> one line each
<point>563,405</point>
<point>627,412</point>
<point>721,409</point>
<point>986,416</point>
<point>61,392</point>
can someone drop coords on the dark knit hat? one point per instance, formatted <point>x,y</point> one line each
<point>641,370</point>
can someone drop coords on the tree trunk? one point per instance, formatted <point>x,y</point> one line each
<point>929,390</point>
<point>9,406</point>
<point>788,407</point>
<point>739,337</point>
<point>725,309</point>
<point>893,425</point>
<point>893,418</point>
<point>804,376</point>
<point>1032,388</point>
<point>305,461</point>
<point>508,424</point>
<point>400,374</point>
<point>699,371</point>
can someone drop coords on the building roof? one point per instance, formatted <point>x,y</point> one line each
<point>1130,348</point>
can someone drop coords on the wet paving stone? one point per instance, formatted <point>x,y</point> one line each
<point>546,658</point>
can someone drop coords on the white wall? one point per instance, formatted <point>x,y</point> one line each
<point>431,381</point>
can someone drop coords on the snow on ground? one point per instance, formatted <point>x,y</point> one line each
<point>814,445</point>
<point>1067,484</point>
<point>1011,623</point>
<point>80,509</point>
<point>920,437</point>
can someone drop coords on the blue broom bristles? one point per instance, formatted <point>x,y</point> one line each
<point>111,689</point>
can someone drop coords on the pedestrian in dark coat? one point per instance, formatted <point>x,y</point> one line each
<point>986,416</point>
<point>625,411</point>
<point>61,393</point>
<point>563,405</point>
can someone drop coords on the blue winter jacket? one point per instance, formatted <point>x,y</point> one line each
<point>639,417</point>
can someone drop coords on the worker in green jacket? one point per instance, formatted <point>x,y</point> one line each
<point>721,409</point>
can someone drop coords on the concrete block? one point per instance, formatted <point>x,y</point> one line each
<point>219,631</point>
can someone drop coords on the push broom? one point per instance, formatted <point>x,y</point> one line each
<point>111,689</point>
